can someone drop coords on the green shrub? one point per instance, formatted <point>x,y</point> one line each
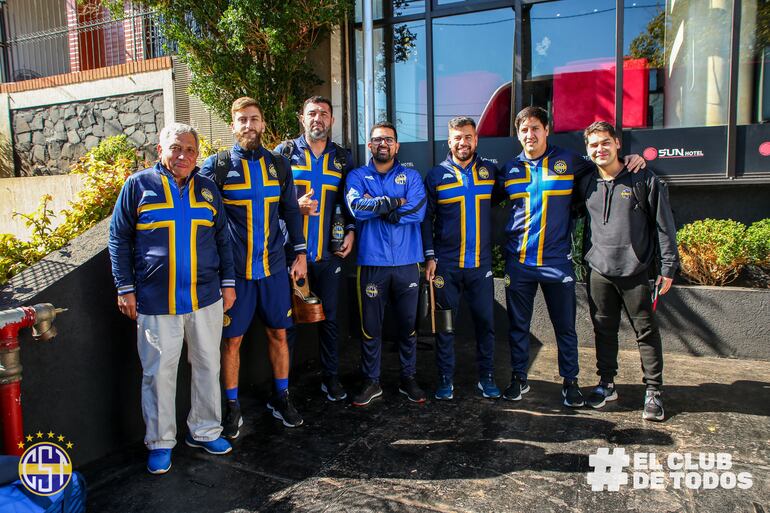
<point>712,251</point>
<point>758,243</point>
<point>106,168</point>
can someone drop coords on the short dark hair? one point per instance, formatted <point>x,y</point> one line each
<point>242,103</point>
<point>538,113</point>
<point>319,99</point>
<point>384,124</point>
<point>461,121</point>
<point>599,126</point>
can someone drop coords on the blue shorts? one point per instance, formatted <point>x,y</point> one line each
<point>268,297</point>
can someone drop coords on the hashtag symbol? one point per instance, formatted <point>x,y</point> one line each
<point>608,469</point>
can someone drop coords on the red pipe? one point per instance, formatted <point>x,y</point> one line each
<point>11,321</point>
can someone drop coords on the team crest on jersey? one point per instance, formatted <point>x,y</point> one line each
<point>226,320</point>
<point>401,179</point>
<point>207,195</point>
<point>438,282</point>
<point>560,167</point>
<point>625,194</point>
<point>507,280</point>
<point>271,171</point>
<point>371,290</point>
<point>338,163</point>
<point>483,173</point>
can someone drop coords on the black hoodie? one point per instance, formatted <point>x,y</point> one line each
<point>622,234</point>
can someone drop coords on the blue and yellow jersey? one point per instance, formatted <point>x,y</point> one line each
<point>539,193</point>
<point>386,237</point>
<point>170,245</point>
<point>326,176</point>
<point>458,223</point>
<point>254,199</point>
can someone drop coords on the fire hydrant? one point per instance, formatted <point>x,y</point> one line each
<point>40,318</point>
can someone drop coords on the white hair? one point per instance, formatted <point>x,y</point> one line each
<point>173,130</point>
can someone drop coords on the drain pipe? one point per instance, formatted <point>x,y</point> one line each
<point>40,317</point>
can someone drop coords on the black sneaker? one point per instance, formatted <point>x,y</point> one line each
<point>571,393</point>
<point>369,391</point>
<point>233,420</point>
<point>603,392</point>
<point>283,410</point>
<point>653,406</point>
<point>412,390</point>
<point>332,387</point>
<point>515,390</point>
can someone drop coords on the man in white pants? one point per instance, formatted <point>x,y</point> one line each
<point>173,268</point>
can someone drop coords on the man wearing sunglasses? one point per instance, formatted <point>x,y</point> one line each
<point>388,202</point>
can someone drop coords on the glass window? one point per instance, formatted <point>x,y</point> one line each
<point>408,54</point>
<point>397,7</point>
<point>683,48</point>
<point>380,103</point>
<point>568,61</point>
<point>754,63</point>
<point>444,2</point>
<point>473,68</point>
<point>400,79</point>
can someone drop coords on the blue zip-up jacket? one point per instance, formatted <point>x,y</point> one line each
<point>254,199</point>
<point>170,245</point>
<point>539,192</point>
<point>326,176</point>
<point>388,235</point>
<point>458,220</point>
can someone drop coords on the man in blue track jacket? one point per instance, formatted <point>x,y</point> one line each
<point>257,188</point>
<point>319,167</point>
<point>388,202</point>
<point>457,239</point>
<point>173,268</point>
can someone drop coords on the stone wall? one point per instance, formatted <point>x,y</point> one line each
<point>47,140</point>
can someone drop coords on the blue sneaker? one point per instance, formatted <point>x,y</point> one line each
<point>601,394</point>
<point>487,386</point>
<point>218,446</point>
<point>445,389</point>
<point>159,461</point>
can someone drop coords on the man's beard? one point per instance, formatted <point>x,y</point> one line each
<point>249,143</point>
<point>382,159</point>
<point>317,134</point>
<point>458,154</point>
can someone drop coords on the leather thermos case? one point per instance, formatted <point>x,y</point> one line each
<point>306,307</point>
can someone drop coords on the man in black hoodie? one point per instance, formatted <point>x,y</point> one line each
<point>630,230</point>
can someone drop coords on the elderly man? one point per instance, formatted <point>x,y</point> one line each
<point>173,268</point>
<point>319,167</point>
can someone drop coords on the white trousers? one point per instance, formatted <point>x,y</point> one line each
<point>159,341</point>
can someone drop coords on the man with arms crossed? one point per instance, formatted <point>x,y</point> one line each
<point>629,217</point>
<point>257,188</point>
<point>388,202</point>
<point>173,268</point>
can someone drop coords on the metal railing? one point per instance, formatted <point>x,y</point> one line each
<point>40,38</point>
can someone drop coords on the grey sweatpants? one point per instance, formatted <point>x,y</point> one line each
<point>159,341</point>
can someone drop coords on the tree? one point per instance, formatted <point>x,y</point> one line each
<point>649,45</point>
<point>257,48</point>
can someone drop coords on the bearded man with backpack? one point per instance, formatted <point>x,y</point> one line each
<point>630,235</point>
<point>257,188</point>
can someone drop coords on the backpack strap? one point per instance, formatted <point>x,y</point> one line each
<point>341,154</point>
<point>641,194</point>
<point>221,168</point>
